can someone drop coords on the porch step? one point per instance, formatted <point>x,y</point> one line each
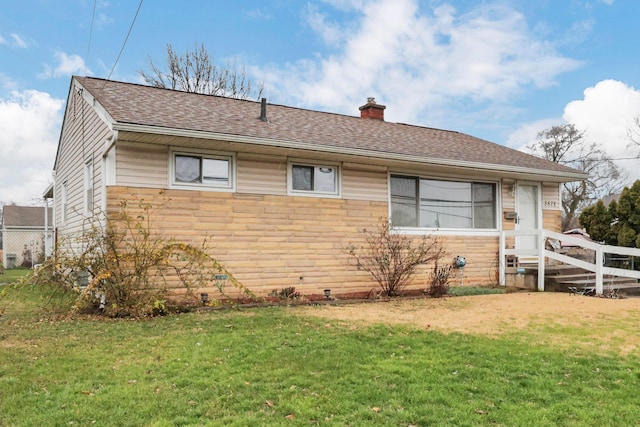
<point>572,278</point>
<point>592,281</point>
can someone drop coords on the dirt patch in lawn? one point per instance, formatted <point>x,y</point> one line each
<point>565,314</point>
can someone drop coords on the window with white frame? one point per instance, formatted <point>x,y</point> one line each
<point>431,203</point>
<point>316,179</point>
<point>88,186</point>
<point>202,170</point>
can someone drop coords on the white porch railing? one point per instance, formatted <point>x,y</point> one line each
<point>541,253</point>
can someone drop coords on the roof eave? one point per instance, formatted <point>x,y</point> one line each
<point>187,133</point>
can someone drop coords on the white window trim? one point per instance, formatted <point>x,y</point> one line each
<point>450,231</point>
<point>89,184</point>
<point>298,162</point>
<point>231,157</point>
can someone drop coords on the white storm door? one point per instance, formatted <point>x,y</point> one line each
<point>528,210</point>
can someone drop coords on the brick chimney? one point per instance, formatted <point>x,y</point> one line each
<point>371,110</point>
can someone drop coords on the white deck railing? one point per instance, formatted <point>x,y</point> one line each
<point>541,253</point>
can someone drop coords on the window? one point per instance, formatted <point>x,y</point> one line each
<point>429,203</point>
<point>88,186</point>
<point>316,179</point>
<point>191,170</point>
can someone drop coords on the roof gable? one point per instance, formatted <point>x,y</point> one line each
<point>151,107</point>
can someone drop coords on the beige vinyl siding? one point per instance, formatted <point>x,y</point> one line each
<point>84,138</point>
<point>551,217</point>
<point>268,175</point>
<point>508,195</point>
<point>360,183</point>
<point>261,174</point>
<point>142,165</point>
<point>551,192</point>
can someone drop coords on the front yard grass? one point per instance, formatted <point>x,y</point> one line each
<point>12,275</point>
<point>270,366</point>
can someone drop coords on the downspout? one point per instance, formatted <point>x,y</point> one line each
<point>54,217</point>
<point>110,144</point>
<point>46,227</point>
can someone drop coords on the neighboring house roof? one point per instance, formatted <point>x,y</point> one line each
<point>577,233</point>
<point>138,108</point>
<point>610,198</point>
<point>24,216</point>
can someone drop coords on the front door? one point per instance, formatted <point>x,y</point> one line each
<point>527,208</point>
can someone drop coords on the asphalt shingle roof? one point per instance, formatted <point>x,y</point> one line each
<point>144,105</point>
<point>24,216</point>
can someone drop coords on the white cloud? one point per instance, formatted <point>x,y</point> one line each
<point>15,41</point>
<point>103,20</point>
<point>578,32</point>
<point>68,65</point>
<point>19,41</point>
<point>30,126</point>
<point>606,114</point>
<point>421,61</point>
<point>258,14</point>
<point>330,32</point>
<point>527,133</point>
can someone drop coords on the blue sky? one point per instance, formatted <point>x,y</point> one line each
<point>500,70</point>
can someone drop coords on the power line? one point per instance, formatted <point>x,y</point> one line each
<point>568,162</point>
<point>125,40</point>
<point>93,17</point>
<point>623,158</point>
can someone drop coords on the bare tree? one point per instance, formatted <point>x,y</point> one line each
<point>197,72</point>
<point>565,145</point>
<point>633,133</point>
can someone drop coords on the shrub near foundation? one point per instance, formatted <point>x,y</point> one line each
<point>124,268</point>
<point>439,286</point>
<point>392,258</point>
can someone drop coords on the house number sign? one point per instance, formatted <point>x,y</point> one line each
<point>551,204</point>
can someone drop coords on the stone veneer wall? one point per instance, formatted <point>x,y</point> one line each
<point>269,242</point>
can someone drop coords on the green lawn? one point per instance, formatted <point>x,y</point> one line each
<point>272,367</point>
<point>12,275</point>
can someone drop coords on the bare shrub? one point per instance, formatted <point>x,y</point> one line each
<point>439,281</point>
<point>122,267</point>
<point>288,293</point>
<point>392,258</point>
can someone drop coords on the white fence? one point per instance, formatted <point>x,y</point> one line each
<point>541,253</point>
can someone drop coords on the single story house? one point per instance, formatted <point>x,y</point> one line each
<point>25,233</point>
<point>281,191</point>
